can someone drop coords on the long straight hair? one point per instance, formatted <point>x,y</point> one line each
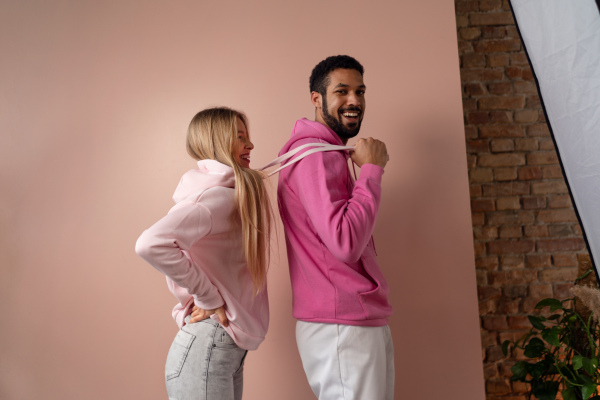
<point>211,135</point>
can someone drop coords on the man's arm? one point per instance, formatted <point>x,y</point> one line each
<point>343,221</point>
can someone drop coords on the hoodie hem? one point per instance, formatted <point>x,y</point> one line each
<point>366,322</point>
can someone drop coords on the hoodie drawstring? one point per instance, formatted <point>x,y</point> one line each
<point>285,157</point>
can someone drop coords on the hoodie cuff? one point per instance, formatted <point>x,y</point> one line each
<point>371,171</point>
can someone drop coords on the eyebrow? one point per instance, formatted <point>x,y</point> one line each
<point>346,85</point>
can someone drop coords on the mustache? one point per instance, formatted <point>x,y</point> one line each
<point>343,110</point>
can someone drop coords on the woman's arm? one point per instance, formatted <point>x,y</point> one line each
<point>165,244</point>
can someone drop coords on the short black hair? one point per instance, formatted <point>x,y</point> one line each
<point>319,78</point>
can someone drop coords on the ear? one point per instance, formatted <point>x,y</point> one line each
<point>316,99</point>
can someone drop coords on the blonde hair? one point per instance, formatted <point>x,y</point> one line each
<point>211,135</point>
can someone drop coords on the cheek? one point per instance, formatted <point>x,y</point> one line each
<point>334,108</point>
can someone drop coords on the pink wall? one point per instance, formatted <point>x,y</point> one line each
<point>95,100</point>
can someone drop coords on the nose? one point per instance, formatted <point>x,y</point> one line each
<point>249,145</point>
<point>353,99</point>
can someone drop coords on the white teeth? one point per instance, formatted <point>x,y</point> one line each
<point>349,114</point>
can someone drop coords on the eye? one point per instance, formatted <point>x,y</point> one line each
<point>341,91</point>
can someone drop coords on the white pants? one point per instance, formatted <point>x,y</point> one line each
<point>344,362</point>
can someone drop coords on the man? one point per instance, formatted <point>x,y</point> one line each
<point>340,297</point>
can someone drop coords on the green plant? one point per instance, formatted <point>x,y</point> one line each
<point>562,351</point>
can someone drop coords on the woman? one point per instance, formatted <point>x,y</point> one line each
<point>213,246</point>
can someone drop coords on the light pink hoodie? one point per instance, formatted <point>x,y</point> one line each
<point>200,250</point>
<point>329,222</point>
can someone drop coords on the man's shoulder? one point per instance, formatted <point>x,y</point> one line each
<point>307,140</point>
<point>307,131</point>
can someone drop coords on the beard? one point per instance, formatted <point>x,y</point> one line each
<point>336,125</point>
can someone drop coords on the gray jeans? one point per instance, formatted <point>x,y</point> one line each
<point>204,363</point>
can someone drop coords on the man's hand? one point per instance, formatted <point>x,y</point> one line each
<point>198,314</point>
<point>370,151</point>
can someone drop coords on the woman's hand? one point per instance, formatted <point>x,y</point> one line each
<point>199,314</point>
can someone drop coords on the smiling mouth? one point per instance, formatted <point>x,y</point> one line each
<point>350,118</point>
<point>245,157</point>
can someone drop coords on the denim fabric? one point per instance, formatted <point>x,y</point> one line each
<point>204,363</point>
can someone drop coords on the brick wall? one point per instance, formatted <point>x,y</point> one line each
<point>527,238</point>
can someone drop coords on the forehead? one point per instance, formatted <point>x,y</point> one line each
<point>240,125</point>
<point>345,77</point>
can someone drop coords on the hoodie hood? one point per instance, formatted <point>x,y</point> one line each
<point>210,173</point>
<point>305,128</point>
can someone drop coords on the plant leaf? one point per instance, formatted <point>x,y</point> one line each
<point>538,369</point>
<point>587,390</point>
<point>565,369</point>
<point>551,336</point>
<point>585,380</point>
<point>569,394</point>
<point>505,345</point>
<point>537,321</point>
<point>577,362</point>
<point>553,303</point>
<point>546,391</point>
<point>536,342</point>
<point>590,365</point>
<point>550,368</point>
<point>519,370</point>
<point>535,348</point>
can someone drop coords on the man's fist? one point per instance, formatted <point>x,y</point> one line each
<point>370,151</point>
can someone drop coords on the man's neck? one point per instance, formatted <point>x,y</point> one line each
<point>319,120</point>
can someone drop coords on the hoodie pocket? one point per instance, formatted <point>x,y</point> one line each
<point>375,302</point>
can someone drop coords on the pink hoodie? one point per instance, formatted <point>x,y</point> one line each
<point>329,222</point>
<point>200,251</point>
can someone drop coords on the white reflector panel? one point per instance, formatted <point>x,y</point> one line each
<point>562,40</point>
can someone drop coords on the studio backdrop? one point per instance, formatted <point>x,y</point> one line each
<point>95,101</point>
